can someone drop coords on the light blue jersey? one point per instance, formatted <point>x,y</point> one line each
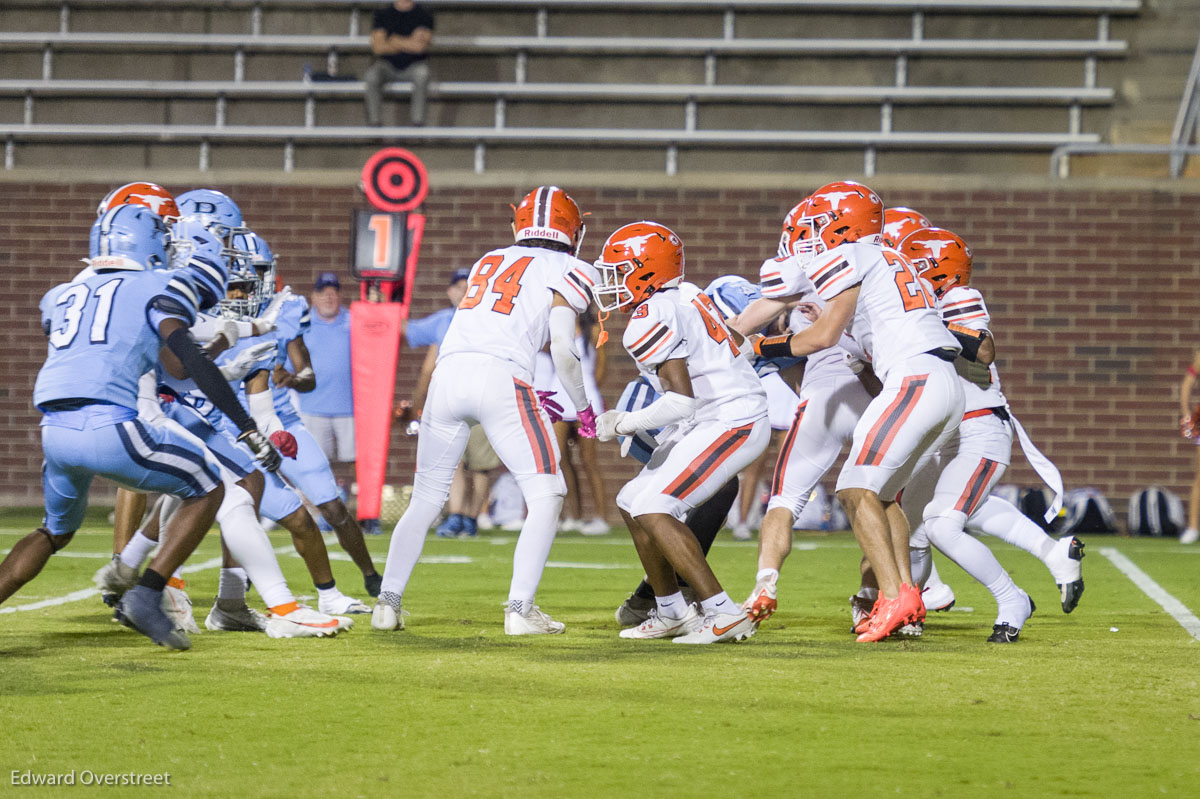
<point>732,294</point>
<point>294,320</point>
<point>103,334</point>
<point>428,330</point>
<point>328,343</point>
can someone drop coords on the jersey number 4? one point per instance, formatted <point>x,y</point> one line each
<point>507,283</point>
<point>717,330</point>
<point>913,290</point>
<point>73,301</point>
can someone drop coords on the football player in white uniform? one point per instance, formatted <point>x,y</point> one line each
<point>875,295</point>
<point>717,408</point>
<point>516,296</point>
<point>974,460</point>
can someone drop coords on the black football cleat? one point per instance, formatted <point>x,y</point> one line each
<point>1004,634</point>
<point>1072,591</point>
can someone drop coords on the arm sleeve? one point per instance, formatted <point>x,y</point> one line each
<point>666,410</point>
<point>833,273</point>
<point>208,379</point>
<point>566,358</point>
<point>262,408</point>
<point>576,286</point>
<point>651,339</point>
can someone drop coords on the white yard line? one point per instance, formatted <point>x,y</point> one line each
<point>1174,608</point>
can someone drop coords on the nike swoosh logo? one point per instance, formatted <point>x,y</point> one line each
<point>722,630</point>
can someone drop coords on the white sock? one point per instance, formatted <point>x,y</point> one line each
<point>933,580</point>
<point>673,606</point>
<point>973,557</point>
<point>408,539</point>
<point>719,603</point>
<point>920,563</point>
<point>533,545</point>
<point>869,594</point>
<point>1012,603</point>
<point>137,550</point>
<point>232,584</point>
<point>249,545</point>
<point>178,574</point>
<point>328,593</point>
<point>767,575</point>
<point>1003,520</point>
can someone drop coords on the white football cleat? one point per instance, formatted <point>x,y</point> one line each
<point>115,577</point>
<point>1189,536</point>
<point>385,618</point>
<point>742,532</point>
<point>533,622</point>
<point>596,526</point>
<point>721,627</point>
<point>656,626</point>
<point>178,606</point>
<point>342,605</point>
<point>304,622</point>
<point>244,619</point>
<point>938,597</point>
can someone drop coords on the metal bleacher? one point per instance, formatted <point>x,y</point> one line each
<point>727,75</point>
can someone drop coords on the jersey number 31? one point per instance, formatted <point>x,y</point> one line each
<point>74,299</point>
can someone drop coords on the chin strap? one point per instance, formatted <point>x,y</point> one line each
<point>602,339</point>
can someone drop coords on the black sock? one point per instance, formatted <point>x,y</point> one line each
<point>325,586</point>
<point>706,520</point>
<point>153,580</point>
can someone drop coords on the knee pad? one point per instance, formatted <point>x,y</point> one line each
<point>235,497</point>
<point>538,486</point>
<point>56,542</point>
<point>944,527</point>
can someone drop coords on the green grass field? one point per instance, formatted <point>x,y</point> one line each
<point>1104,702</point>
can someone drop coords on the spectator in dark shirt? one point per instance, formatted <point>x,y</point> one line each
<point>400,37</point>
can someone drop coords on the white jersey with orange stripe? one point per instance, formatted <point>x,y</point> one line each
<point>684,323</point>
<point>506,310</point>
<point>896,316</point>
<point>784,277</point>
<point>964,306</point>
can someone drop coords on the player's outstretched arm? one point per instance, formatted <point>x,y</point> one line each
<point>822,334</point>
<point>208,379</point>
<point>303,379</point>
<point>758,314</point>
<point>567,362</point>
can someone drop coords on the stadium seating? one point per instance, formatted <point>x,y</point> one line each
<point>756,76</point>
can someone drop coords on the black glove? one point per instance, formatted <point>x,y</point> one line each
<point>260,445</point>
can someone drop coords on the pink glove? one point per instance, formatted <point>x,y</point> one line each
<point>587,422</point>
<point>285,442</point>
<point>552,408</point>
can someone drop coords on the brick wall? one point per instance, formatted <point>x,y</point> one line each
<point>1092,293</point>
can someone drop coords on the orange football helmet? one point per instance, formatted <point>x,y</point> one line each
<point>636,261</point>
<point>150,195</point>
<point>549,213</point>
<point>835,214</point>
<point>787,239</point>
<point>899,222</point>
<point>939,256</point>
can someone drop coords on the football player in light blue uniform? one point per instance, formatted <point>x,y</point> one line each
<point>105,331</point>
<point>309,470</point>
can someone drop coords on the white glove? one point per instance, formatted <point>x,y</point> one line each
<point>606,425</point>
<point>265,322</point>
<point>246,360</point>
<point>855,364</point>
<point>228,330</point>
<point>412,428</point>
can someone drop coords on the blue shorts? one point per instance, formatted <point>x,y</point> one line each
<point>310,471</point>
<point>132,454</point>
<point>278,501</point>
